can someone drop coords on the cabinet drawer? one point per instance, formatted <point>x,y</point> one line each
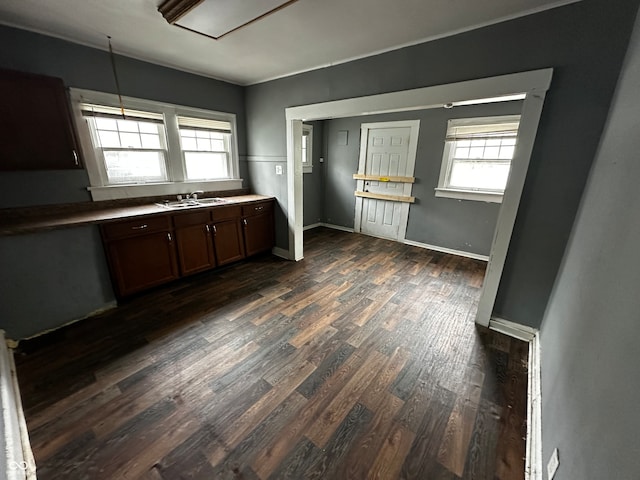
<point>188,219</point>
<point>139,226</point>
<point>257,208</point>
<point>226,213</point>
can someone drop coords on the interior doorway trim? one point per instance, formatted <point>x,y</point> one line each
<point>533,84</point>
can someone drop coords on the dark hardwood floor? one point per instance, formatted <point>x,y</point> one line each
<point>361,361</point>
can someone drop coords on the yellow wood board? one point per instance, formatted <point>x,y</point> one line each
<point>382,196</point>
<point>377,178</point>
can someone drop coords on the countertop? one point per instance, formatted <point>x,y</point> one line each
<point>17,221</point>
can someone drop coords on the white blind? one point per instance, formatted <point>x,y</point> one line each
<point>204,124</point>
<point>92,110</point>
<point>484,131</point>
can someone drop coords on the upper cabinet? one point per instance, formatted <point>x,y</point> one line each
<point>36,130</point>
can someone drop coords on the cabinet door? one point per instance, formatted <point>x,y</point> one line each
<point>258,233</point>
<point>35,124</point>
<point>227,238</point>
<point>195,249</point>
<point>142,262</point>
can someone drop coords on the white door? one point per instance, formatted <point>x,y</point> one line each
<point>386,150</point>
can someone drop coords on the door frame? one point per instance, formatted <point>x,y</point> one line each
<point>414,125</point>
<point>533,85</point>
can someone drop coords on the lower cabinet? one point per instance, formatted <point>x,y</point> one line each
<point>194,242</point>
<point>148,251</point>
<point>227,234</point>
<point>258,227</point>
<point>141,254</point>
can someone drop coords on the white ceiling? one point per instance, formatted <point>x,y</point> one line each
<point>306,35</point>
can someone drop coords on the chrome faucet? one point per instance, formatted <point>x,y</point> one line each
<point>194,195</point>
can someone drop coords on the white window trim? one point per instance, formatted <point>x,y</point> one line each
<point>491,197</point>
<point>307,131</point>
<point>101,190</point>
<point>442,190</point>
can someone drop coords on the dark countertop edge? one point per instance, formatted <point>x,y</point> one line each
<point>47,218</point>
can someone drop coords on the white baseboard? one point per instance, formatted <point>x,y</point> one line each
<point>313,225</point>
<point>516,330</point>
<point>329,225</point>
<point>280,252</point>
<point>533,465</point>
<point>460,253</point>
<point>106,307</point>
<point>533,462</point>
<point>18,457</point>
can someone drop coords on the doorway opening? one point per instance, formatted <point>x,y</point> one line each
<point>531,86</point>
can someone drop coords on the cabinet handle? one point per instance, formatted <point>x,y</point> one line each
<point>259,208</point>
<point>169,237</point>
<point>244,221</point>
<point>75,158</point>
<point>140,227</point>
<point>215,230</point>
<point>206,227</point>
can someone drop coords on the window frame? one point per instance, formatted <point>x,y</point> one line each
<point>99,151</point>
<point>226,141</point>
<point>307,131</point>
<point>177,182</point>
<point>444,189</point>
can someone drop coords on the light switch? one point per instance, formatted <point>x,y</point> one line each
<point>278,169</point>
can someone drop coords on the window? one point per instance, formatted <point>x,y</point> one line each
<point>205,146</point>
<point>477,158</point>
<point>154,148</point>
<point>133,149</point>
<point>307,149</point>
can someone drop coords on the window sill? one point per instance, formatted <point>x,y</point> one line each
<point>469,195</point>
<point>307,169</point>
<point>116,192</point>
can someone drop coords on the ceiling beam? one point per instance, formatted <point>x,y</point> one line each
<point>174,10</point>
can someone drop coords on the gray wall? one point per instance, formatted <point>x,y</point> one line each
<point>584,42</point>
<point>444,222</point>
<point>589,336</point>
<point>313,183</point>
<point>49,279</point>
<point>52,278</point>
<point>88,68</point>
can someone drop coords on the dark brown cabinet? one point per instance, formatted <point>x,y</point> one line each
<point>257,220</point>
<point>227,234</point>
<point>36,128</point>
<point>152,250</point>
<point>141,253</point>
<point>194,242</point>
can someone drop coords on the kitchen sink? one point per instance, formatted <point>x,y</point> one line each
<point>179,204</point>
<point>200,202</point>
<point>209,201</point>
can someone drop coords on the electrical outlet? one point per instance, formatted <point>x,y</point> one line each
<point>552,466</point>
<point>278,169</point>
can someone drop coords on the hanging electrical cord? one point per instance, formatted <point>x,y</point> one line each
<point>115,76</point>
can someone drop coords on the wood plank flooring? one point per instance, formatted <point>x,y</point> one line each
<point>361,361</point>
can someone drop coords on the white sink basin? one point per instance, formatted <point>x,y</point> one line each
<point>200,202</point>
<point>209,201</point>
<point>179,204</point>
